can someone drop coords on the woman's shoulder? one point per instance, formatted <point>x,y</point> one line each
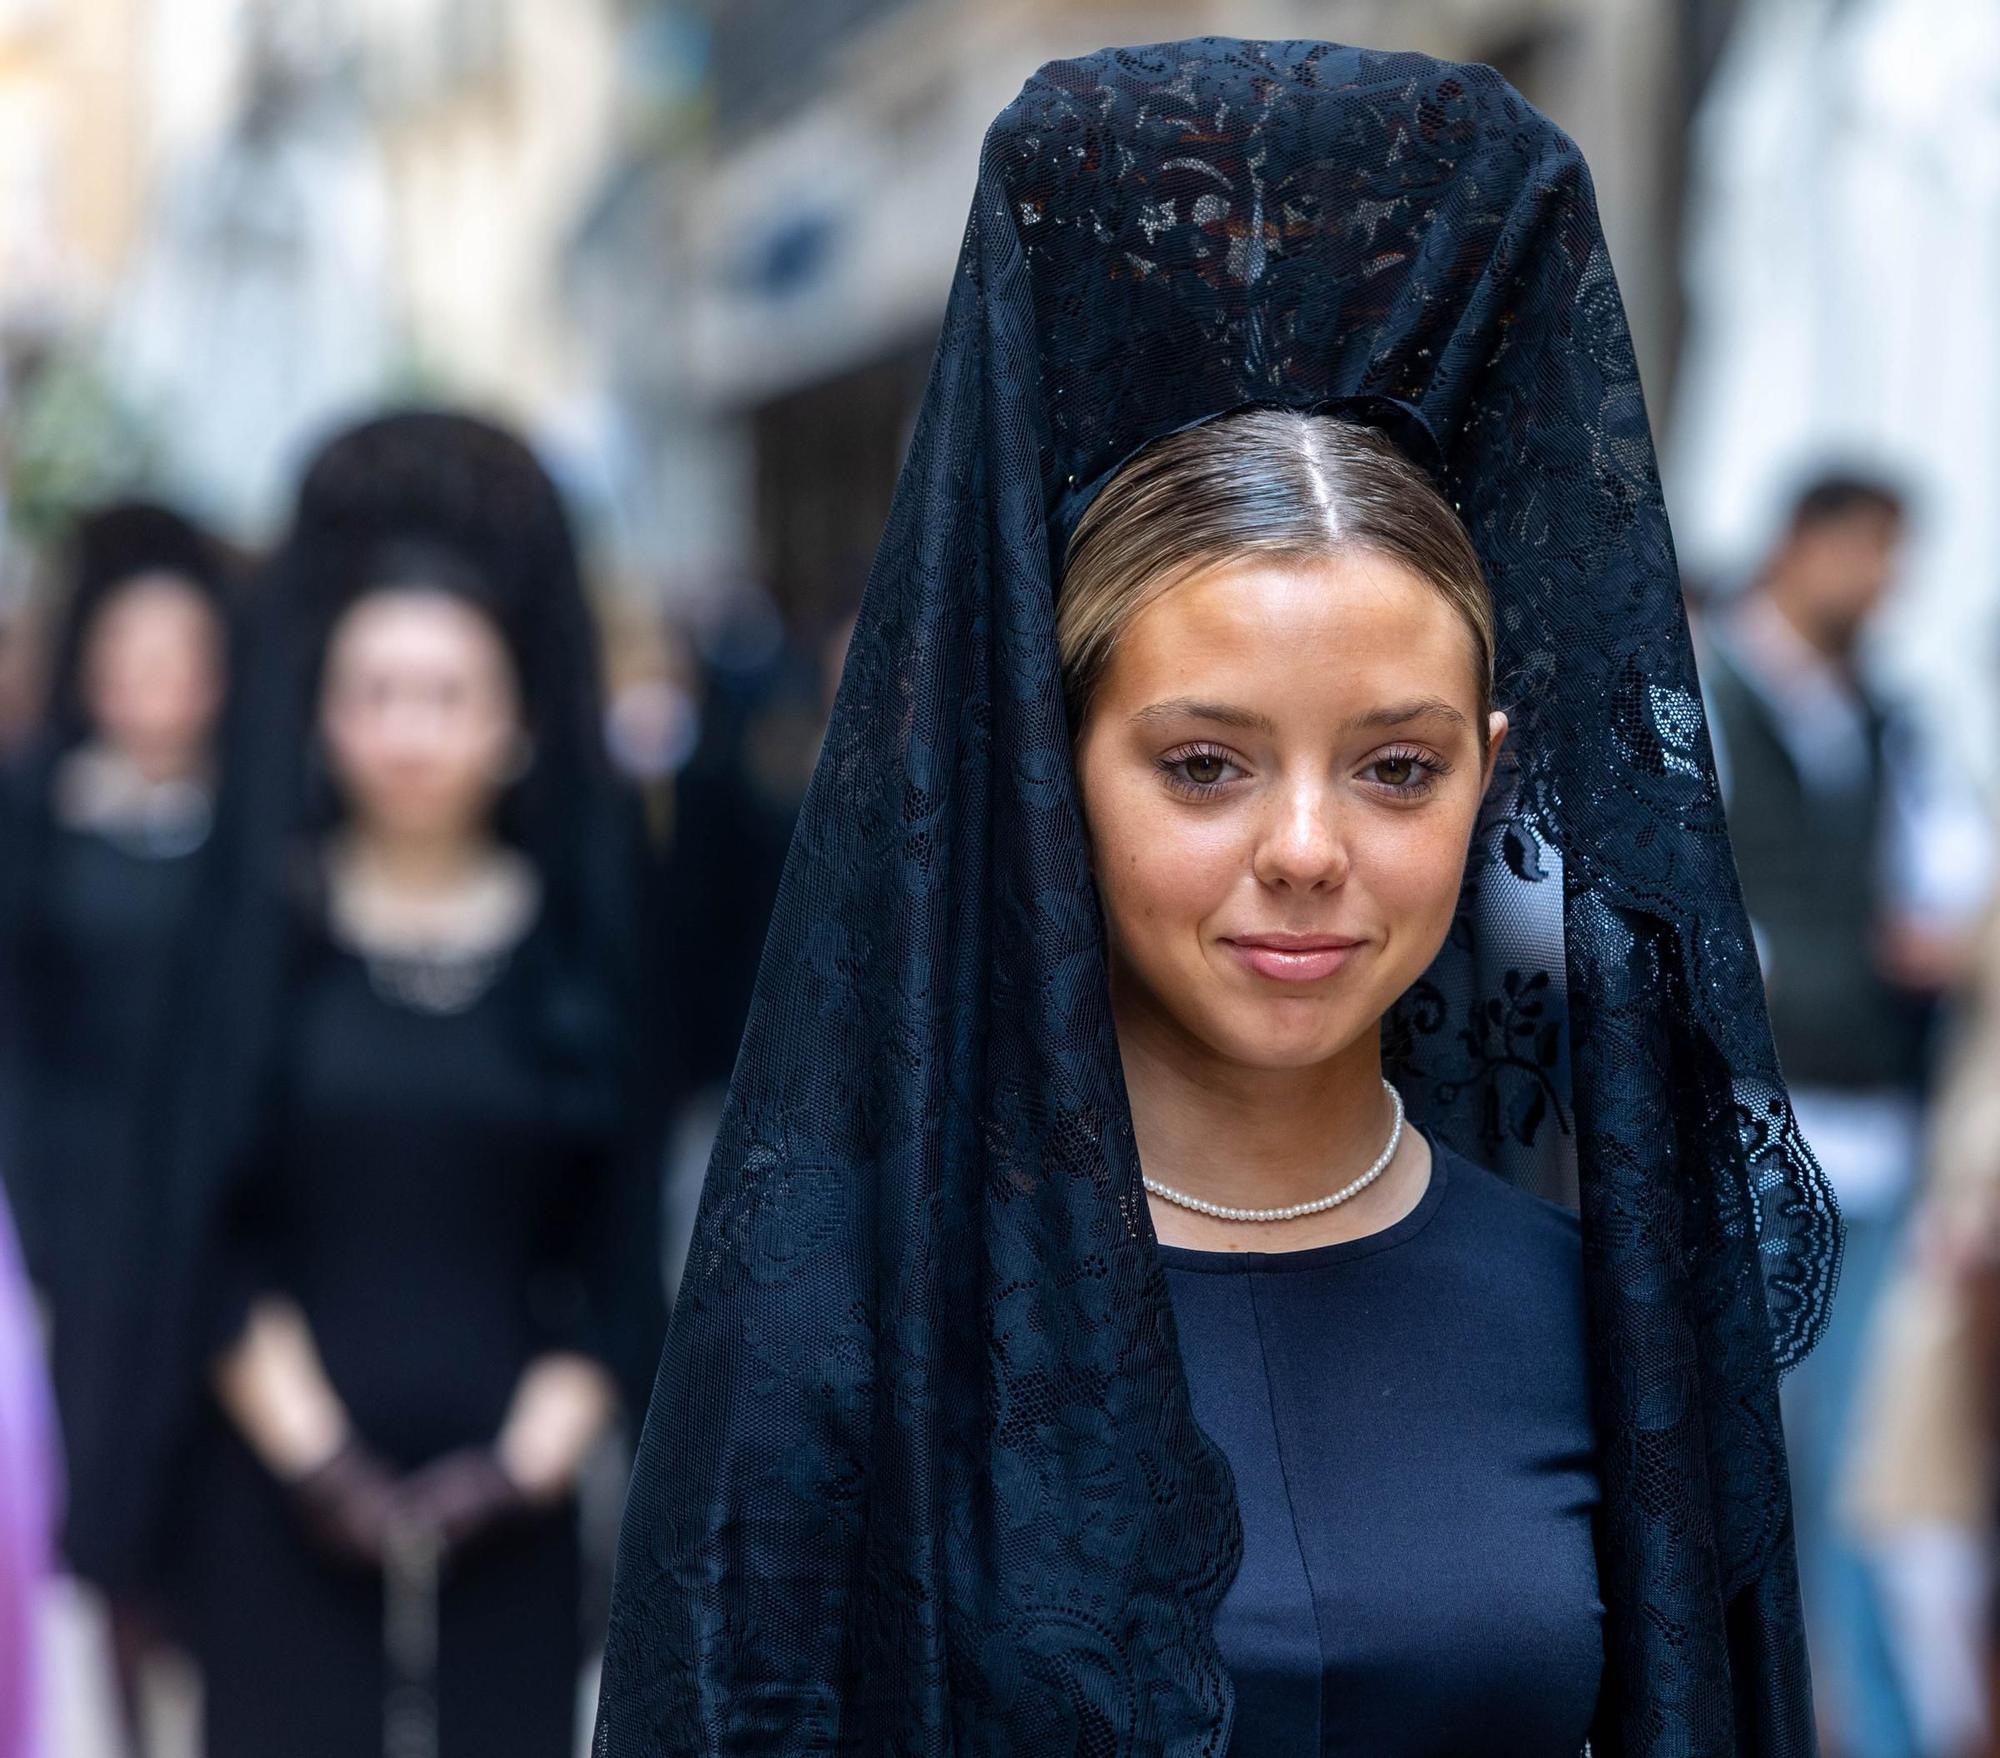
<point>1497,1204</point>
<point>1513,1260</point>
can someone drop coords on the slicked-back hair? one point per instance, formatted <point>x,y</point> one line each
<point>1272,482</point>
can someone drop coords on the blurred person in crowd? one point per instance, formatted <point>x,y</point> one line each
<point>108,811</point>
<point>1921,1492</point>
<point>407,1270</point>
<point>651,719</point>
<point>764,688</point>
<point>1810,775</point>
<point>766,685</point>
<point>20,687</point>
<point>28,1499</point>
<point>1077,1350</point>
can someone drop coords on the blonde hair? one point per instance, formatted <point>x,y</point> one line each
<point>1261,482</point>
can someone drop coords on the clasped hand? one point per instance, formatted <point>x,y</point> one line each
<point>353,1503</point>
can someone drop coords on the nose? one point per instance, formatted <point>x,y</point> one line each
<point>415,718</point>
<point>1302,842</point>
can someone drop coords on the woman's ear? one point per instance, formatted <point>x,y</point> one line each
<point>1496,736</point>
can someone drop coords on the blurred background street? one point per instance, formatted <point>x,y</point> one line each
<point>695,252</point>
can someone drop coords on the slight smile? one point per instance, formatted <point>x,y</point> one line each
<point>1292,958</point>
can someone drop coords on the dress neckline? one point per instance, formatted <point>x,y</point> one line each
<point>429,986</point>
<point>1312,1257</point>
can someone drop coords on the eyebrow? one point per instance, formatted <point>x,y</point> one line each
<point>1225,714</point>
<point>1402,713</point>
<point>1187,708</point>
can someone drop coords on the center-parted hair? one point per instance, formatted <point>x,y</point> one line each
<point>1274,482</point>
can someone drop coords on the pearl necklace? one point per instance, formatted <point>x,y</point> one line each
<point>1295,1210</point>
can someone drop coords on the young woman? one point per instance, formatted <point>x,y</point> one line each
<point>1278,651</point>
<point>408,1270</point>
<point>110,807</point>
<point>1273,678</point>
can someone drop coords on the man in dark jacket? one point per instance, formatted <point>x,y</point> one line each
<point>1808,766</point>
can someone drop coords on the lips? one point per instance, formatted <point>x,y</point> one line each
<point>1293,958</point>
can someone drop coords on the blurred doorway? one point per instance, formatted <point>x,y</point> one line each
<point>825,463</point>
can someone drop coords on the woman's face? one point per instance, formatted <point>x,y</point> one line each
<point>152,673</point>
<point>420,713</point>
<point>1281,771</point>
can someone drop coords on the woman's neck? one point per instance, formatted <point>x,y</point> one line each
<point>1263,1138</point>
<point>97,787</point>
<point>410,864</point>
<point>446,896</point>
<point>147,765</point>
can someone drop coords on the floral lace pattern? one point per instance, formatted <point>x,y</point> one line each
<point>921,1475</point>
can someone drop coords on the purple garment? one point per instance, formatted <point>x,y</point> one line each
<point>28,1499</point>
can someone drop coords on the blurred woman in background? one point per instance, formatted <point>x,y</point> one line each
<point>410,1254</point>
<point>109,809</point>
<point>110,806</point>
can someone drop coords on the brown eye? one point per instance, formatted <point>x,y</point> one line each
<point>1396,771</point>
<point>1204,768</point>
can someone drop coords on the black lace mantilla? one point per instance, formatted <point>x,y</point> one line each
<point>920,1475</point>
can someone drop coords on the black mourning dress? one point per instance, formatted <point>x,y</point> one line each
<point>98,919</point>
<point>428,1200</point>
<point>1408,1420</point>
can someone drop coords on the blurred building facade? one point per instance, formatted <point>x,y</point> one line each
<point>798,238</point>
<point>698,247</point>
<point>1843,263</point>
<point>225,223</point>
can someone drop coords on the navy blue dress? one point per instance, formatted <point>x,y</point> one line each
<point>1408,1418</point>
